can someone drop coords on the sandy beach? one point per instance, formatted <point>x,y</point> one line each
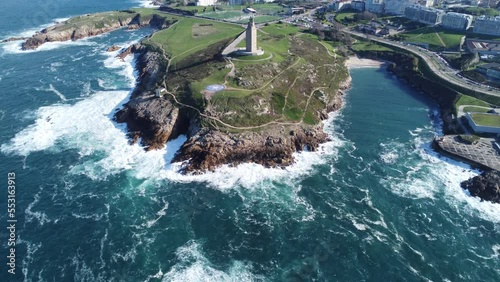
<point>355,62</point>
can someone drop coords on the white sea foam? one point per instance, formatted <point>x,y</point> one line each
<point>431,175</point>
<point>41,217</point>
<point>14,47</point>
<point>194,266</point>
<point>126,66</point>
<point>147,4</point>
<point>59,94</point>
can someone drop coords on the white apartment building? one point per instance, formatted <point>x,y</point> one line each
<point>424,14</point>
<point>487,25</point>
<point>456,21</point>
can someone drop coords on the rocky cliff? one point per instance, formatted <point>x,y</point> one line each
<point>485,186</point>
<point>92,25</point>
<point>149,118</point>
<point>154,121</point>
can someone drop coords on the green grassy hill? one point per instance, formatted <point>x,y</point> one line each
<point>190,35</point>
<point>437,38</point>
<point>292,83</point>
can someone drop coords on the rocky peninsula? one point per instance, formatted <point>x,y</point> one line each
<point>268,108</point>
<point>94,24</point>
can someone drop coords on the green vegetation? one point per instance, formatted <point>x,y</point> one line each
<point>370,46</point>
<point>486,119</point>
<point>190,35</point>
<point>469,139</point>
<point>472,109</point>
<point>345,17</point>
<point>476,11</point>
<point>291,83</point>
<point>261,19</point>
<point>465,100</point>
<point>281,29</point>
<point>236,14</point>
<point>437,38</point>
<point>98,20</point>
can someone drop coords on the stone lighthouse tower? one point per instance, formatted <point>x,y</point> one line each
<point>251,37</point>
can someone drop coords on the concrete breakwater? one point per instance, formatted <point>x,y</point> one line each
<point>481,153</point>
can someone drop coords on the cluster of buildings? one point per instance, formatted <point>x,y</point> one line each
<point>424,14</point>
<point>482,24</point>
<point>392,7</point>
<point>483,47</point>
<point>434,16</point>
<point>487,25</point>
<point>422,11</point>
<point>230,2</point>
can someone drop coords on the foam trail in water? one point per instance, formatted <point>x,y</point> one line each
<point>59,94</point>
<point>194,266</point>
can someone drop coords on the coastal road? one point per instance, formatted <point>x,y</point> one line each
<point>436,64</point>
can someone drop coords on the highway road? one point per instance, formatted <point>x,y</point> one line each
<point>436,63</point>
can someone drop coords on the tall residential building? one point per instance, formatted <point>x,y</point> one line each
<point>375,6</point>
<point>424,14</point>
<point>397,7</point>
<point>487,25</point>
<point>456,21</point>
<point>358,5</point>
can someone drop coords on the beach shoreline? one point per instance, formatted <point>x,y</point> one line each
<point>354,62</point>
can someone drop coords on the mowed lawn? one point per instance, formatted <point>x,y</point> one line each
<point>190,35</point>
<point>486,119</point>
<point>436,37</point>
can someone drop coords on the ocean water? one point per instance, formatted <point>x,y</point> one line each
<point>373,204</point>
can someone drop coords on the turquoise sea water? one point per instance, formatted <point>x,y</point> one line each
<point>375,203</point>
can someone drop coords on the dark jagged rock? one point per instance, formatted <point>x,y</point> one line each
<point>113,48</point>
<point>154,120</point>
<point>485,186</point>
<point>209,149</point>
<point>13,39</point>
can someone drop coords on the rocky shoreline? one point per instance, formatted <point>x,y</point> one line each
<point>484,186</point>
<point>87,26</point>
<point>154,121</point>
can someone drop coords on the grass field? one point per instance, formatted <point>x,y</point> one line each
<point>435,37</point>
<point>472,109</point>
<point>486,119</point>
<point>465,100</point>
<point>235,13</point>
<point>291,83</point>
<point>369,46</point>
<point>189,35</point>
<point>345,17</point>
